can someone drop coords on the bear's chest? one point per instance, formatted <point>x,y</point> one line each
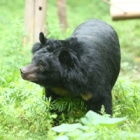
<point>61,91</point>
<point>64,92</point>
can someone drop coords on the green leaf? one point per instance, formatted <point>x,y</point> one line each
<point>93,118</point>
<point>62,138</point>
<point>66,127</point>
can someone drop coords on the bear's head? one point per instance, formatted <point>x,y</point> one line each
<point>52,63</point>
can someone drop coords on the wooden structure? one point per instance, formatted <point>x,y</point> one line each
<point>35,19</point>
<point>124,9</point>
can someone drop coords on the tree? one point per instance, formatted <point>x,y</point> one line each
<point>61,7</point>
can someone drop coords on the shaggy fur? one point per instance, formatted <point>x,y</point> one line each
<point>85,65</point>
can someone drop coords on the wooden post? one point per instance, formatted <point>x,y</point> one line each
<point>40,18</point>
<point>35,19</point>
<point>29,21</point>
<point>61,8</point>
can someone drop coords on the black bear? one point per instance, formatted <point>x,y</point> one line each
<point>84,65</point>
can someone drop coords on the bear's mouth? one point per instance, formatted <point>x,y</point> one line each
<point>29,77</point>
<point>29,72</point>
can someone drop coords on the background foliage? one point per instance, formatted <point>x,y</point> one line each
<point>23,112</point>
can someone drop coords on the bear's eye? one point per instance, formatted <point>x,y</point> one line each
<point>50,49</point>
<point>41,67</point>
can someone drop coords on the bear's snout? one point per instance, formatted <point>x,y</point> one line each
<point>22,71</point>
<point>29,72</point>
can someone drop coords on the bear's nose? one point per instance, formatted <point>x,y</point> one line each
<point>22,71</point>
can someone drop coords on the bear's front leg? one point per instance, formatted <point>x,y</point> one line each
<point>49,93</point>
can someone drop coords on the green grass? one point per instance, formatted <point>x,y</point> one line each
<point>25,115</point>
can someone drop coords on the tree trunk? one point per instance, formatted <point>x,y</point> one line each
<point>61,7</point>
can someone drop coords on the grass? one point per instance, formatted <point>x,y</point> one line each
<point>25,115</point>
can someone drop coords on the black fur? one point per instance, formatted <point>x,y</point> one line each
<point>86,64</point>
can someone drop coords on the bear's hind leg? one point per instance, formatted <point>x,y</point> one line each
<point>96,105</point>
<point>107,102</point>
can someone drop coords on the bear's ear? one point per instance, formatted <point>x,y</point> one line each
<point>66,58</point>
<point>42,38</point>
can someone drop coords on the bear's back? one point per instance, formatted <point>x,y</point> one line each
<point>101,48</point>
<point>93,28</point>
